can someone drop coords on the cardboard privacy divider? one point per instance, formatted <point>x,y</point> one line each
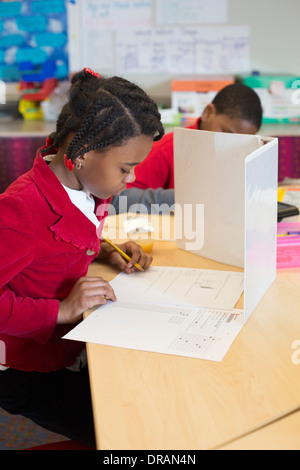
<point>228,184</point>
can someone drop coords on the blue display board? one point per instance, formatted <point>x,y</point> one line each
<point>33,39</point>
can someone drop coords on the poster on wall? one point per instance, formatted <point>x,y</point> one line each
<point>156,36</point>
<point>113,14</point>
<point>179,12</point>
<point>92,25</point>
<point>202,50</point>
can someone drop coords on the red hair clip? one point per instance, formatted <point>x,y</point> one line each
<point>90,71</point>
<point>68,163</point>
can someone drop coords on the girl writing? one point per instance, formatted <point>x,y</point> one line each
<point>50,229</point>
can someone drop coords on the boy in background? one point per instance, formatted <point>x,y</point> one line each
<point>235,109</point>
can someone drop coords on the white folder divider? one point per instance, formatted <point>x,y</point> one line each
<point>228,184</point>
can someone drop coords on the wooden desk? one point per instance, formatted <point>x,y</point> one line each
<point>145,400</point>
<point>22,128</point>
<point>283,434</point>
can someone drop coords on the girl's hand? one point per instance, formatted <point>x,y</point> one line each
<point>133,250</point>
<point>86,293</point>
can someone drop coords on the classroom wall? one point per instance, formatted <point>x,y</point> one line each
<point>275,39</point>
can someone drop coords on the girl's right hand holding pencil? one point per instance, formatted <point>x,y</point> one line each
<point>86,293</point>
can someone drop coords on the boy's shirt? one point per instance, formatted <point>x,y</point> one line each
<point>157,170</point>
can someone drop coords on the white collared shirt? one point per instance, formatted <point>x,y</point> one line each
<point>85,202</point>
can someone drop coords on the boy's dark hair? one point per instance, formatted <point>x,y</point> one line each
<point>239,101</point>
<point>103,112</point>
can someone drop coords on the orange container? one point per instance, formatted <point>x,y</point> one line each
<point>201,84</point>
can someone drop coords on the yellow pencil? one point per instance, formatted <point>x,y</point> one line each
<point>136,265</point>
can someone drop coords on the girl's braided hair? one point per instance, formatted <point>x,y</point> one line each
<point>103,112</point>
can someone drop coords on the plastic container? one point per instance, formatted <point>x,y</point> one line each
<point>190,95</point>
<point>288,245</point>
<point>278,97</point>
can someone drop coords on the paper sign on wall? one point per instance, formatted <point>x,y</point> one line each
<point>191,11</point>
<point>202,50</point>
<point>116,14</point>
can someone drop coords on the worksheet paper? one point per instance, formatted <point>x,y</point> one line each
<point>185,50</point>
<point>173,312</point>
<point>181,286</point>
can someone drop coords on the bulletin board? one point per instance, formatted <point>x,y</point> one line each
<point>33,32</point>
<point>153,41</point>
<point>156,36</point>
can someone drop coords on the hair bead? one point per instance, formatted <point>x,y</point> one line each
<point>68,163</point>
<point>90,71</point>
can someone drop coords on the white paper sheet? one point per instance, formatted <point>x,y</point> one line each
<point>98,50</point>
<point>99,14</point>
<point>183,331</point>
<point>202,50</point>
<point>171,313</point>
<point>181,286</point>
<point>191,11</point>
<point>74,36</point>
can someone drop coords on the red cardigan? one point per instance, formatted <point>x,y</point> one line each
<point>157,170</point>
<point>45,246</point>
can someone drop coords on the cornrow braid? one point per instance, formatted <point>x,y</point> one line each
<point>85,139</point>
<point>104,112</point>
<point>83,136</point>
<point>102,145</point>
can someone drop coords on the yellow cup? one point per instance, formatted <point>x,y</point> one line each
<point>147,245</point>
